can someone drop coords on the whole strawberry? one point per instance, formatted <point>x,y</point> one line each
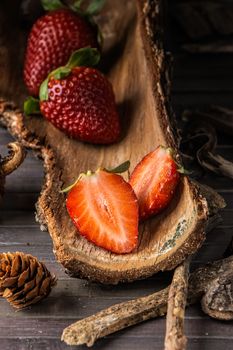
<point>53,38</point>
<point>79,100</point>
<point>154,181</point>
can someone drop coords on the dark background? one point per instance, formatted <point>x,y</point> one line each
<point>199,80</point>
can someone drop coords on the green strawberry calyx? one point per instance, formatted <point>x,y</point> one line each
<point>51,5</point>
<point>86,56</point>
<point>92,9</point>
<point>88,12</point>
<point>180,168</point>
<point>117,170</point>
<point>31,106</point>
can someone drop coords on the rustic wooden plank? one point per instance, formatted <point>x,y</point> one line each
<point>24,236</point>
<point>217,182</point>
<point>201,84</point>
<point>52,328</point>
<point>202,99</point>
<point>19,201</point>
<point>210,67</point>
<point>42,252</point>
<point>15,218</point>
<point>114,343</point>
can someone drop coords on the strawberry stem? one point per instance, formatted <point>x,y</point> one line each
<point>180,168</point>
<point>68,188</point>
<point>183,171</point>
<point>31,106</point>
<point>119,169</point>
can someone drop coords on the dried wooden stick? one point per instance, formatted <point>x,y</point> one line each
<point>175,338</point>
<point>129,313</point>
<point>116,317</point>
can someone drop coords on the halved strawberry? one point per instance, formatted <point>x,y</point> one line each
<point>154,181</point>
<point>104,208</point>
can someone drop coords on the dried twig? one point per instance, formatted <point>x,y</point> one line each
<point>129,313</point>
<point>116,317</point>
<point>175,338</point>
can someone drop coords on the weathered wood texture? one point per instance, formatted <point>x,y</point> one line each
<point>204,80</point>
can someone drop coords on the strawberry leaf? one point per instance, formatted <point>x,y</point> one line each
<point>51,5</point>
<point>86,56</point>
<point>31,106</point>
<point>120,168</point>
<point>76,6</point>
<point>83,57</point>
<point>68,188</point>
<point>94,7</point>
<point>60,73</point>
<point>44,94</point>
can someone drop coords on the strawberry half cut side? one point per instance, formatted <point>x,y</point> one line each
<point>154,181</point>
<point>104,209</point>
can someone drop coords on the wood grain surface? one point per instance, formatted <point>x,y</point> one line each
<point>204,80</point>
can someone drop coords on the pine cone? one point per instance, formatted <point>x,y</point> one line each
<point>23,279</point>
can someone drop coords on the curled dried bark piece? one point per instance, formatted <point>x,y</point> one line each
<point>14,159</point>
<point>201,139</point>
<point>175,338</point>
<point>215,204</point>
<point>219,117</point>
<point>218,300</point>
<point>213,282</point>
<point>214,200</point>
<point>129,313</point>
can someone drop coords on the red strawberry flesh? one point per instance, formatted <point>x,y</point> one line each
<point>52,40</point>
<point>104,208</point>
<point>83,106</point>
<point>154,181</point>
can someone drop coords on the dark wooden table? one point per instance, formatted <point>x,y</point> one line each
<point>198,81</point>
